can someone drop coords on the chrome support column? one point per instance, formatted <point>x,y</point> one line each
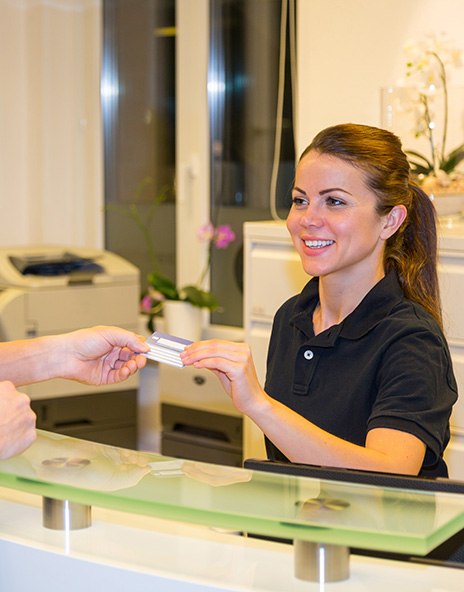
<point>65,515</point>
<point>317,562</point>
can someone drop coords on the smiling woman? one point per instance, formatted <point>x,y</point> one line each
<point>359,373</point>
<point>373,164</point>
<point>335,226</point>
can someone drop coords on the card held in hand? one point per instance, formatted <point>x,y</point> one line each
<point>166,348</point>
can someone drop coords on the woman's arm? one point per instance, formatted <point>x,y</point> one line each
<point>386,450</point>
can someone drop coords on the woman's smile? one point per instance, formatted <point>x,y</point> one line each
<point>318,244</point>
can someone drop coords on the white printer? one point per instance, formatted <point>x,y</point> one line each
<point>47,290</point>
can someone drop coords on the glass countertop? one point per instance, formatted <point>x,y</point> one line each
<point>277,505</point>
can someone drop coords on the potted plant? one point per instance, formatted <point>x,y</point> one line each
<point>426,99</point>
<point>427,65</point>
<point>163,292</point>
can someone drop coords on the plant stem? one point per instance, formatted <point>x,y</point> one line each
<point>204,273</point>
<point>145,229</point>
<point>445,104</point>
<point>427,118</point>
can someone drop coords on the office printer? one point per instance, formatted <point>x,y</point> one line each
<point>49,290</point>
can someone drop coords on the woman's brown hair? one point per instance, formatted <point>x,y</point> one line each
<point>412,250</point>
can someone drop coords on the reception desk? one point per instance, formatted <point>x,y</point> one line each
<point>169,524</point>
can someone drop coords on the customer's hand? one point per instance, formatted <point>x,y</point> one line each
<point>102,355</point>
<point>17,421</point>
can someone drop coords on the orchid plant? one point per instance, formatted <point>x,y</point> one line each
<point>427,66</point>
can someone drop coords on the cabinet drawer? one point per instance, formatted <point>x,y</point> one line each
<point>193,388</point>
<point>454,457</point>
<point>274,274</point>
<point>451,277</point>
<point>457,417</point>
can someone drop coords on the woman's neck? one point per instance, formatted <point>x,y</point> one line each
<point>338,299</point>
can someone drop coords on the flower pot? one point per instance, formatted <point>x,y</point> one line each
<point>182,319</point>
<point>449,207</point>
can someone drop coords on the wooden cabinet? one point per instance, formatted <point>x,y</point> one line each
<point>273,274</point>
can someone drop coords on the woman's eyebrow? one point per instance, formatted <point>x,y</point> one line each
<point>324,191</point>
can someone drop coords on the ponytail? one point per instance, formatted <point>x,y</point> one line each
<point>413,252</point>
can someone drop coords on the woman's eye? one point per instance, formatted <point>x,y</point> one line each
<point>299,201</point>
<point>335,201</point>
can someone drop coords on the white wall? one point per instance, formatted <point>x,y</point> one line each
<point>349,49</point>
<point>50,143</point>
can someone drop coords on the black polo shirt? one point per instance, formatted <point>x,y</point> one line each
<point>386,365</point>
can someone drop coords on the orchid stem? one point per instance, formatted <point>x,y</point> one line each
<point>428,121</point>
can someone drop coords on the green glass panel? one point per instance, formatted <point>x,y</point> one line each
<point>286,506</point>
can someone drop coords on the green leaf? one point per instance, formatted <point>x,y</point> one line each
<point>163,284</point>
<point>200,298</point>
<point>453,159</point>
<point>418,169</point>
<point>420,164</point>
<point>417,155</point>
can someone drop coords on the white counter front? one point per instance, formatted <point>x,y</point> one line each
<point>123,552</point>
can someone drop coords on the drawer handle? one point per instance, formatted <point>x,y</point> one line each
<point>72,423</point>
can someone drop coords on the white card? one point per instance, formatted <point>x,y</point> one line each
<point>166,348</point>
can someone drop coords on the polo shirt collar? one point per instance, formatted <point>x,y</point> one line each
<point>374,307</point>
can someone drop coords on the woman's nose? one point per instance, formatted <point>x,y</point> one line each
<point>312,215</point>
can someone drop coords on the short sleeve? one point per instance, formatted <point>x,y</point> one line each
<point>416,390</point>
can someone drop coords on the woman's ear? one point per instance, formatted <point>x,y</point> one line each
<point>393,220</point>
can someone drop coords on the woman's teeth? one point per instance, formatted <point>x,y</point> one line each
<point>318,244</point>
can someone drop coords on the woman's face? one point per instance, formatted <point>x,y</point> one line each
<point>333,220</point>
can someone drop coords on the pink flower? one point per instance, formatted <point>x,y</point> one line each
<point>146,304</point>
<point>206,233</point>
<point>224,236</point>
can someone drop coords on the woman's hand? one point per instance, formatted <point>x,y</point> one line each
<point>233,364</point>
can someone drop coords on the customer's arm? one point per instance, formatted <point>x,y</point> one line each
<point>17,421</point>
<point>98,355</point>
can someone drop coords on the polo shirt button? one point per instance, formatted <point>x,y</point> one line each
<point>309,355</point>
